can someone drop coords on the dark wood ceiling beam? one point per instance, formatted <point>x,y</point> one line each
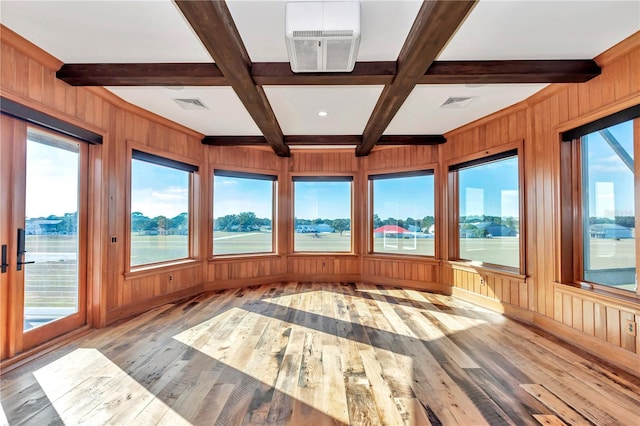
<point>311,140</point>
<point>163,74</point>
<point>279,73</point>
<point>235,140</point>
<point>364,73</point>
<point>503,72</point>
<point>411,140</point>
<point>213,24</point>
<point>435,24</point>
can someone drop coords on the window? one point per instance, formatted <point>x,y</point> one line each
<point>160,190</point>
<point>322,211</point>
<point>488,207</point>
<point>243,212</point>
<point>604,236</point>
<point>403,213</point>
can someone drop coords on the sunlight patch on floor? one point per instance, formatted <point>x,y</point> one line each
<point>85,386</point>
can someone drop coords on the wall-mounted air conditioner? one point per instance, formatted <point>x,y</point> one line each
<point>322,36</point>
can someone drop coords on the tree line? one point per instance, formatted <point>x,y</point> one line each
<point>178,225</point>
<point>424,223</point>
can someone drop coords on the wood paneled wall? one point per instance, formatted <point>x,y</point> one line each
<point>538,121</point>
<point>28,77</point>
<point>587,319</point>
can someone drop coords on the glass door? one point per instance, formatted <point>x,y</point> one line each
<point>46,295</point>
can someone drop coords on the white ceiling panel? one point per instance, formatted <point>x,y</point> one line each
<point>348,108</point>
<point>542,29</point>
<point>225,114</point>
<point>384,27</point>
<point>421,113</point>
<point>106,31</point>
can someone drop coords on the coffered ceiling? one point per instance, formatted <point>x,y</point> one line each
<point>232,57</point>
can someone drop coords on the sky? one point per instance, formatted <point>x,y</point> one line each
<point>490,189</point>
<point>322,200</point>
<point>52,179</point>
<point>158,190</point>
<point>401,198</point>
<point>237,195</point>
<point>610,180</point>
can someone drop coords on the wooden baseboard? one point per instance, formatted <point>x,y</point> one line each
<point>245,282</point>
<point>322,278</point>
<point>131,309</point>
<point>434,287</point>
<point>615,355</point>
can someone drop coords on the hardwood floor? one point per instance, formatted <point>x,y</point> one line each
<point>319,354</point>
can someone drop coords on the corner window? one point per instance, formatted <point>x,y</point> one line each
<point>488,210</point>
<point>322,211</point>
<point>243,212</point>
<point>160,192</point>
<point>603,240</point>
<point>403,213</point>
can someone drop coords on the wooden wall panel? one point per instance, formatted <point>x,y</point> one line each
<point>401,157</point>
<point>28,77</point>
<point>343,161</point>
<point>539,121</point>
<point>334,268</point>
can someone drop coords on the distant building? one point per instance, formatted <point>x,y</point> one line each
<point>486,229</point>
<point>42,226</point>
<point>610,231</point>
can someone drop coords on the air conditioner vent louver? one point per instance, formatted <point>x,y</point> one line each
<point>323,33</point>
<point>191,103</point>
<point>322,36</point>
<point>458,102</point>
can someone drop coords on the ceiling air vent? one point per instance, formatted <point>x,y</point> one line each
<point>191,103</point>
<point>458,102</point>
<point>322,36</point>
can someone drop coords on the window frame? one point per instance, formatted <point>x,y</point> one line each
<point>303,177</point>
<point>427,170</point>
<point>160,158</point>
<point>572,214</point>
<point>242,174</point>
<point>453,209</point>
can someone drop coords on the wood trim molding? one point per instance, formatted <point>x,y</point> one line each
<point>624,47</point>
<point>511,109</point>
<point>434,25</point>
<point>28,49</point>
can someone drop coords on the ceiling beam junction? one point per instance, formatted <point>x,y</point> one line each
<point>434,26</point>
<point>213,24</point>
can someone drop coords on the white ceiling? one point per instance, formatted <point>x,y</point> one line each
<point>155,31</point>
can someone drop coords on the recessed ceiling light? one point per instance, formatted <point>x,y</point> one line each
<point>323,113</point>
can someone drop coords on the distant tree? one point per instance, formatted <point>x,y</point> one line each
<point>340,225</point>
<point>628,221</point>
<point>427,221</point>
<point>179,223</point>
<point>377,222</point>
<point>225,223</point>
<point>246,220</point>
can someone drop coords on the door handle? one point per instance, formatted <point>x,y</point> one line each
<point>4,264</point>
<point>21,250</point>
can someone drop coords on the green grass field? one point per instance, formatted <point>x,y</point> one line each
<point>52,281</point>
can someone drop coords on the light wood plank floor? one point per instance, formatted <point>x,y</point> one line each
<point>315,354</point>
